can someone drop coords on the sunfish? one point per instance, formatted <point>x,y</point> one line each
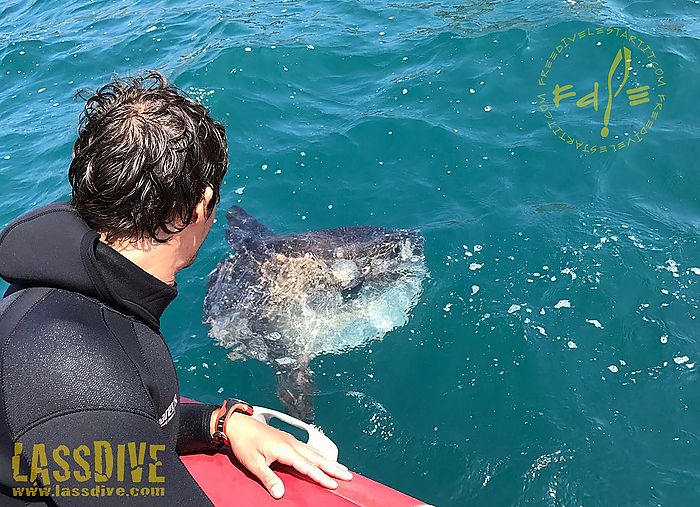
<point>287,298</point>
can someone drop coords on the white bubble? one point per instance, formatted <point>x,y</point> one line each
<point>572,345</point>
<point>563,303</point>
<point>475,289</point>
<point>569,271</point>
<point>247,49</point>
<point>404,91</point>
<point>474,266</point>
<point>239,190</point>
<point>595,323</point>
<point>514,308</point>
<point>488,108</point>
<point>152,28</point>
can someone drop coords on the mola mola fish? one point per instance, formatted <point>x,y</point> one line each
<point>287,298</point>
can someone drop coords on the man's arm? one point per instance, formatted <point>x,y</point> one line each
<point>194,434</point>
<point>257,446</point>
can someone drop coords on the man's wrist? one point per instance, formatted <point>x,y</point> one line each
<point>218,425</point>
<point>194,432</point>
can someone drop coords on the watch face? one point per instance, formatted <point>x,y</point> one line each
<point>219,438</point>
<point>244,408</point>
<point>240,406</point>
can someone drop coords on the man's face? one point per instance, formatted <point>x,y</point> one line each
<point>194,236</point>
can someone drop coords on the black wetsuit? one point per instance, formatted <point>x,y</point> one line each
<point>82,360</point>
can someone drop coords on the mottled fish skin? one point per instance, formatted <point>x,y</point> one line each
<point>257,298</point>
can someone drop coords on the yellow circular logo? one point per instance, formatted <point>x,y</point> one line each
<point>601,89</point>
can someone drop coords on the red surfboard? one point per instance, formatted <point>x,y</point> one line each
<point>226,482</point>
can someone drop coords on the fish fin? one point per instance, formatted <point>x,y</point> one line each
<point>244,228</point>
<point>295,384</point>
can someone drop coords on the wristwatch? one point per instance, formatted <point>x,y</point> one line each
<point>229,407</point>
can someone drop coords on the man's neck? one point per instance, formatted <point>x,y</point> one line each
<point>158,259</point>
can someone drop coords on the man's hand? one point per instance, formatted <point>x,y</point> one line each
<point>257,446</point>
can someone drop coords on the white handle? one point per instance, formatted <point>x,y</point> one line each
<point>317,439</point>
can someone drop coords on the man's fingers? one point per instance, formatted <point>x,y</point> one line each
<point>262,471</point>
<point>306,467</point>
<point>332,468</point>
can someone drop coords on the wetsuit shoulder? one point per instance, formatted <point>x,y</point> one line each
<point>69,380</point>
<point>58,351</point>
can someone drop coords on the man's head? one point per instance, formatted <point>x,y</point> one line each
<point>148,164</point>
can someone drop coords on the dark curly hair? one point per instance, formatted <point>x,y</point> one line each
<point>144,156</point>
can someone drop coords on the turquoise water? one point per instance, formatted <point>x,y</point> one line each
<point>495,398</point>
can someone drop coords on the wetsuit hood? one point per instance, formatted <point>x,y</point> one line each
<point>53,247</point>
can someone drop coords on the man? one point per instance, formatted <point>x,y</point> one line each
<point>83,367</point>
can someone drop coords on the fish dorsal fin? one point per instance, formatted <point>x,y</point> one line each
<point>244,228</point>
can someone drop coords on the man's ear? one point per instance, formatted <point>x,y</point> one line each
<point>200,211</point>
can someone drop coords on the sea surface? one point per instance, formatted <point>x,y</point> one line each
<point>554,355</point>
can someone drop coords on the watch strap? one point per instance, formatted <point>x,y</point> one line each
<point>229,407</point>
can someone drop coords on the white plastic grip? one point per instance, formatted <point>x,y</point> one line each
<point>324,445</point>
